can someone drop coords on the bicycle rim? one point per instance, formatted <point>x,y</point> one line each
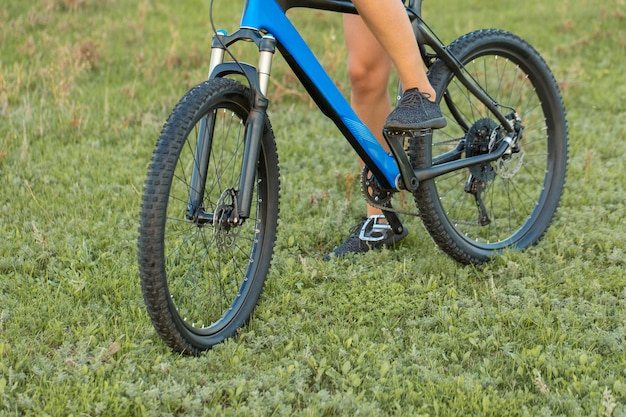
<point>520,193</point>
<point>213,272</point>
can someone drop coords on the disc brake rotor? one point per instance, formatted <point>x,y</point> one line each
<point>225,232</point>
<point>509,166</point>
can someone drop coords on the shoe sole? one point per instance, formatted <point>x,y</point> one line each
<point>431,124</point>
<point>390,242</point>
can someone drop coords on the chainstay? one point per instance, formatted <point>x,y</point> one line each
<point>384,208</point>
<point>412,213</point>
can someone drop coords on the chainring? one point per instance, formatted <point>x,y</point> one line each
<point>372,191</point>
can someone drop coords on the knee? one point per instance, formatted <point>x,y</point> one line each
<point>368,78</point>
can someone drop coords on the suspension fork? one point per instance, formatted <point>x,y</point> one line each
<point>255,126</point>
<point>203,144</point>
<point>200,167</point>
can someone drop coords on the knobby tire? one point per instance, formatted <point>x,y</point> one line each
<point>521,199</point>
<point>202,282</point>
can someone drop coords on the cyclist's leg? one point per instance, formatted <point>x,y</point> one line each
<point>369,67</point>
<point>390,24</point>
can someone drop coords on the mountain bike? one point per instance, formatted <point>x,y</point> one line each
<point>491,180</point>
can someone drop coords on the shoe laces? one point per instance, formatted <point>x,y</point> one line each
<point>413,98</point>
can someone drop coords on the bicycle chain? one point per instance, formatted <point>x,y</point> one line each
<point>384,208</point>
<point>393,210</point>
<point>369,198</point>
<point>413,213</point>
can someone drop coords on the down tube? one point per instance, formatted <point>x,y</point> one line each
<point>267,15</point>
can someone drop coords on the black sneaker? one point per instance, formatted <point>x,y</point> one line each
<point>370,233</point>
<point>415,112</point>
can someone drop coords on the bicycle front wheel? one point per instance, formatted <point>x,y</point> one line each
<point>509,203</point>
<point>201,279</point>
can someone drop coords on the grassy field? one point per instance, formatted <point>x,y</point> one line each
<point>85,86</point>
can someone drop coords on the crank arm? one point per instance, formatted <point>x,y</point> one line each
<point>395,140</point>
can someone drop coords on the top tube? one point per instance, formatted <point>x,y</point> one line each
<point>342,6</point>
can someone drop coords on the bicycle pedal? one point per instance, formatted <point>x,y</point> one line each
<point>417,133</point>
<point>373,230</point>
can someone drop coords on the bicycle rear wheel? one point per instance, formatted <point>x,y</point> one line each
<point>202,279</point>
<point>509,203</point>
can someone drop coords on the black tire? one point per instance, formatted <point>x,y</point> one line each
<point>201,282</point>
<point>522,197</point>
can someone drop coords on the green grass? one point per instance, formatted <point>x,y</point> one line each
<point>84,88</point>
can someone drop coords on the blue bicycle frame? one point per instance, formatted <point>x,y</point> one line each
<point>265,22</point>
<point>269,17</point>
